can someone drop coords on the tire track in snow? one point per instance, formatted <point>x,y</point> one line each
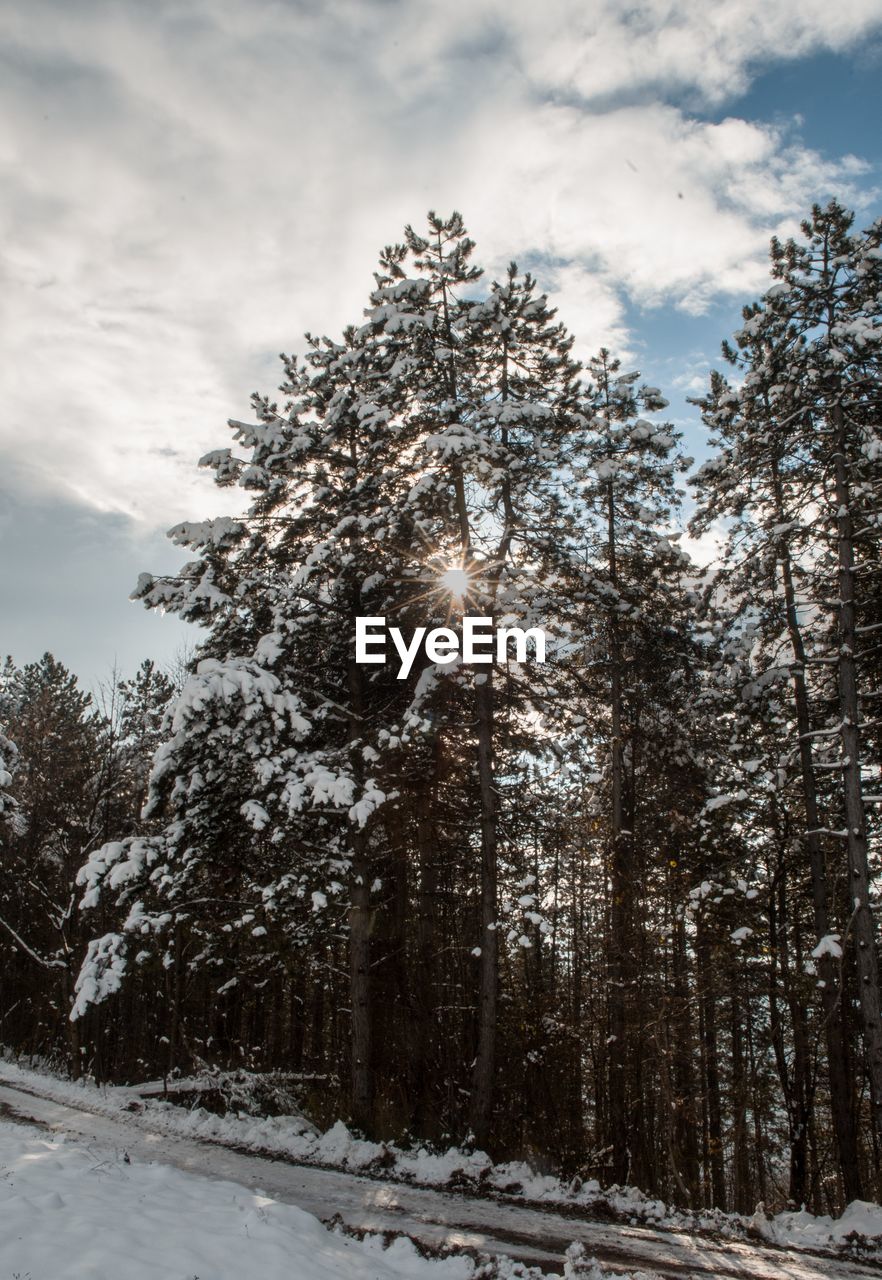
<point>435,1217</point>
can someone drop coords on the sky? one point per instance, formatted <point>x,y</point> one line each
<point>188,187</point>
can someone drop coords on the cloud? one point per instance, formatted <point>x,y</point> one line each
<point>65,577</point>
<point>189,188</point>
<point>600,51</point>
<point>661,205</point>
<point>707,549</point>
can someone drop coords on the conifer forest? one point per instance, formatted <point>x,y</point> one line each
<point>611,914</point>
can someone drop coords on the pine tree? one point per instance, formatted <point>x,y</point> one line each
<point>8,765</point>
<point>628,467</point>
<point>800,474</point>
<point>491,384</point>
<point>143,703</point>
<point>425,442</point>
<point>56,796</point>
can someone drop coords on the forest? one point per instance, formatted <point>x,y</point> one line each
<point>613,913</point>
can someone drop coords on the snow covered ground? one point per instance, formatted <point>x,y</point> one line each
<point>75,1209</point>
<point>534,1234</point>
<point>75,1212</point>
<point>296,1139</point>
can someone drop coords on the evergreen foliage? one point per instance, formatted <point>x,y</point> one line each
<point>613,913</point>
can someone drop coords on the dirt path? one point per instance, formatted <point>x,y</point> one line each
<point>531,1235</point>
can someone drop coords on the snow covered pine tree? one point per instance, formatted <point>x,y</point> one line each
<point>416,467</point>
<point>800,475</point>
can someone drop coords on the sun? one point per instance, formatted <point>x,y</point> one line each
<point>456,581</point>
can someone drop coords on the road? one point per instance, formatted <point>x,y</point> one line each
<point>529,1234</point>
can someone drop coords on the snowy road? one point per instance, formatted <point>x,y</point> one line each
<point>532,1235</point>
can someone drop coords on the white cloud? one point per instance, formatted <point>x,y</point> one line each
<point>189,188</point>
<point>711,48</point>
<point>707,549</point>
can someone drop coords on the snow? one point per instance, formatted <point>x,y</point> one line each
<point>807,1231</point>
<point>206,533</point>
<point>717,802</point>
<point>578,1264</point>
<point>295,1137</point>
<point>103,972</point>
<point>67,1210</point>
<point>446,1220</point>
<point>828,946</point>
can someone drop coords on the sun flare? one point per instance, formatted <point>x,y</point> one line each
<point>456,581</point>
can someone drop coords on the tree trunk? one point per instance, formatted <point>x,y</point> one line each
<point>621,888</point>
<point>426,977</point>
<point>741,1156</point>
<point>362,1084</point>
<point>176,985</point>
<point>710,1055</point>
<point>796,1080</point>
<point>838,1077</point>
<point>683,1069</point>
<point>74,1041</point>
<point>575,1109</point>
<point>297,1016</point>
<point>855,818</point>
<point>361,1070</point>
<point>481,1109</point>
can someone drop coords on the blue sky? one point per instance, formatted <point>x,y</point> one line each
<point>189,187</point>
<point>832,103</point>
